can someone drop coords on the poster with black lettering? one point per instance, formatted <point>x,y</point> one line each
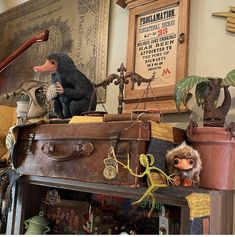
<point>156,46</point>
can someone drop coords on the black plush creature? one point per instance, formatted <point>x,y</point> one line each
<point>75,90</point>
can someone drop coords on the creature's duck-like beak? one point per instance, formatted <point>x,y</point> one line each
<point>48,66</point>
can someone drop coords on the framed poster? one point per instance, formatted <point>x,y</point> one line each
<point>68,217</point>
<point>76,27</point>
<point>157,45</point>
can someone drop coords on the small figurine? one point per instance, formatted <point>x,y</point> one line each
<point>184,163</point>
<point>75,91</point>
<point>52,197</point>
<point>146,161</point>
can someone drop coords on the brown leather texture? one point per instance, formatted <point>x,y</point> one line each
<point>77,151</point>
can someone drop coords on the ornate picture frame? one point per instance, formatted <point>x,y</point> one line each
<point>157,45</point>
<point>79,28</point>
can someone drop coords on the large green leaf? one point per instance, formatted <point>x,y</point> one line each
<point>184,86</point>
<point>229,80</point>
<point>201,92</point>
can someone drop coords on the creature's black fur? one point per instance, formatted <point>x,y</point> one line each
<point>78,88</point>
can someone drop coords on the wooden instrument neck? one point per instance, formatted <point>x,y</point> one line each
<point>43,36</point>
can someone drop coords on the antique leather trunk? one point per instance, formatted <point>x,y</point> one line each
<point>77,151</point>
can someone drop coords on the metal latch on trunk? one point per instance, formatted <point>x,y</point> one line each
<point>28,144</point>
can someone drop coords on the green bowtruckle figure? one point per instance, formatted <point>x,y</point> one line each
<point>147,161</point>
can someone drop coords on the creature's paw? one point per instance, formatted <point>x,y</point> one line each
<point>136,202</point>
<point>176,180</point>
<point>170,179</point>
<point>187,182</point>
<point>231,129</point>
<point>191,127</point>
<point>45,88</point>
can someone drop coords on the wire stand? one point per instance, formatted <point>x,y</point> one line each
<point>145,96</point>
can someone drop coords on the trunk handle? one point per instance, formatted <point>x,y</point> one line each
<point>80,149</point>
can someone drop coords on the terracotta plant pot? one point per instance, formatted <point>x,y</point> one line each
<point>217,150</point>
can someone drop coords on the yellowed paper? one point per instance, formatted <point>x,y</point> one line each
<point>199,205</point>
<point>156,45</point>
<point>86,119</point>
<point>162,131</point>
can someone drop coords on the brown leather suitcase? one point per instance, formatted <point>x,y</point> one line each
<point>77,151</point>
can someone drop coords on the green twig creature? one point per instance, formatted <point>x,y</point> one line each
<point>147,161</point>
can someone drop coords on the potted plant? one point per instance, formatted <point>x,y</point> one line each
<point>215,143</point>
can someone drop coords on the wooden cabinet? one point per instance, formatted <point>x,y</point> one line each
<point>29,190</point>
<point>32,186</point>
<point>158,38</point>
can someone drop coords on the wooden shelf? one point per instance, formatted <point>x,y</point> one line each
<point>30,189</point>
<point>166,195</point>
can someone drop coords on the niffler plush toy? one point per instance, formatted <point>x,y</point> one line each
<point>75,92</point>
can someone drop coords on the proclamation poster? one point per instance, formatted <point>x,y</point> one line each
<point>76,27</point>
<point>156,46</point>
